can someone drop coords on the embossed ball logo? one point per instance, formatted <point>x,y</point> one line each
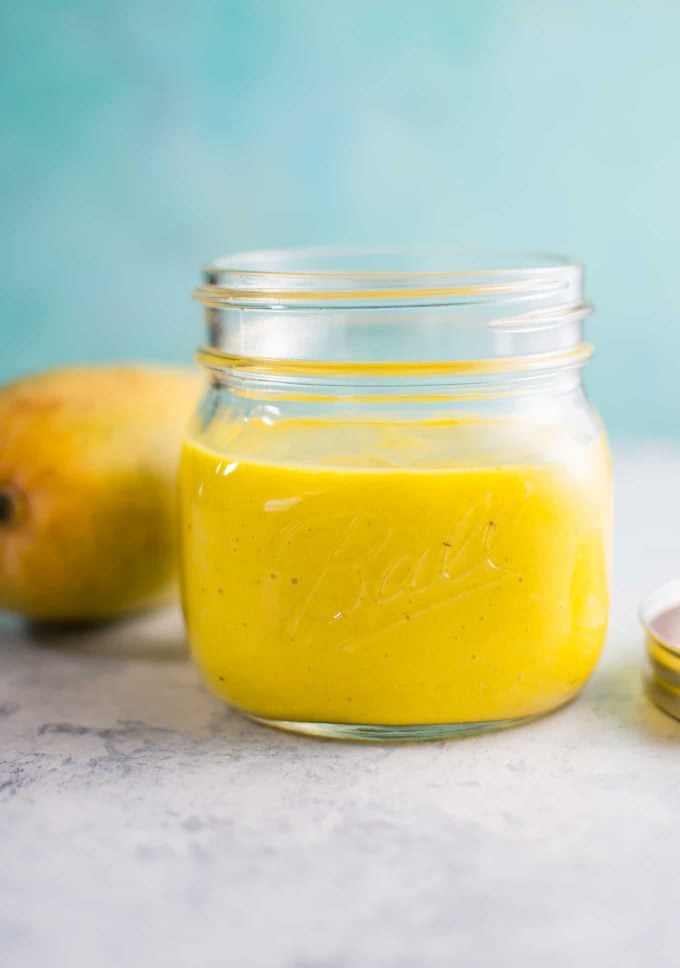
<point>366,582</point>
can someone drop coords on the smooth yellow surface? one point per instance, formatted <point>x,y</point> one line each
<point>399,586</point>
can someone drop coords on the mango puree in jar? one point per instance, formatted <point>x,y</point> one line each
<point>395,573</point>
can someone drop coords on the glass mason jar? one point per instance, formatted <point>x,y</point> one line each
<point>396,497</point>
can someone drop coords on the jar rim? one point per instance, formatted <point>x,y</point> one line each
<point>365,306</point>
<point>370,274</point>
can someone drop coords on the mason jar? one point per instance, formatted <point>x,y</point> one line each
<point>395,494</point>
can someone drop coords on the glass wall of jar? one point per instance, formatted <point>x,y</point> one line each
<point>396,496</point>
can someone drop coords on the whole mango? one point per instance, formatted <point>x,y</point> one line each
<point>88,462</point>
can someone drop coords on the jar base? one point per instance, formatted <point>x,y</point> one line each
<point>370,733</point>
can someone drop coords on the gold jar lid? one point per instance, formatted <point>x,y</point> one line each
<point>660,617</point>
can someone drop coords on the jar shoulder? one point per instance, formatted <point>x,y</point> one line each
<point>562,430</point>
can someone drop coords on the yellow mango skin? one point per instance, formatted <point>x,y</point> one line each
<point>88,464</point>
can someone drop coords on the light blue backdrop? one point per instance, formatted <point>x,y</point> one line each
<point>141,138</point>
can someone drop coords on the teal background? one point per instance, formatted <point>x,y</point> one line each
<point>140,139</point>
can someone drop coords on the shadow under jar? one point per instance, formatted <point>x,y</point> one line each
<point>395,495</point>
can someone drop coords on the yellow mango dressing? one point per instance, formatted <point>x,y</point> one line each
<point>400,573</point>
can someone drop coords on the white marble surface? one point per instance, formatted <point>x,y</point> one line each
<point>143,824</point>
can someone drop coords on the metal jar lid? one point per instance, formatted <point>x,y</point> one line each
<point>663,649</point>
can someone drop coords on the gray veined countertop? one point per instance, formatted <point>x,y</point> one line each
<point>144,824</point>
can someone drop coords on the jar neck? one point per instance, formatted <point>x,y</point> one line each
<point>513,376</point>
<point>273,381</point>
<point>296,320</point>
